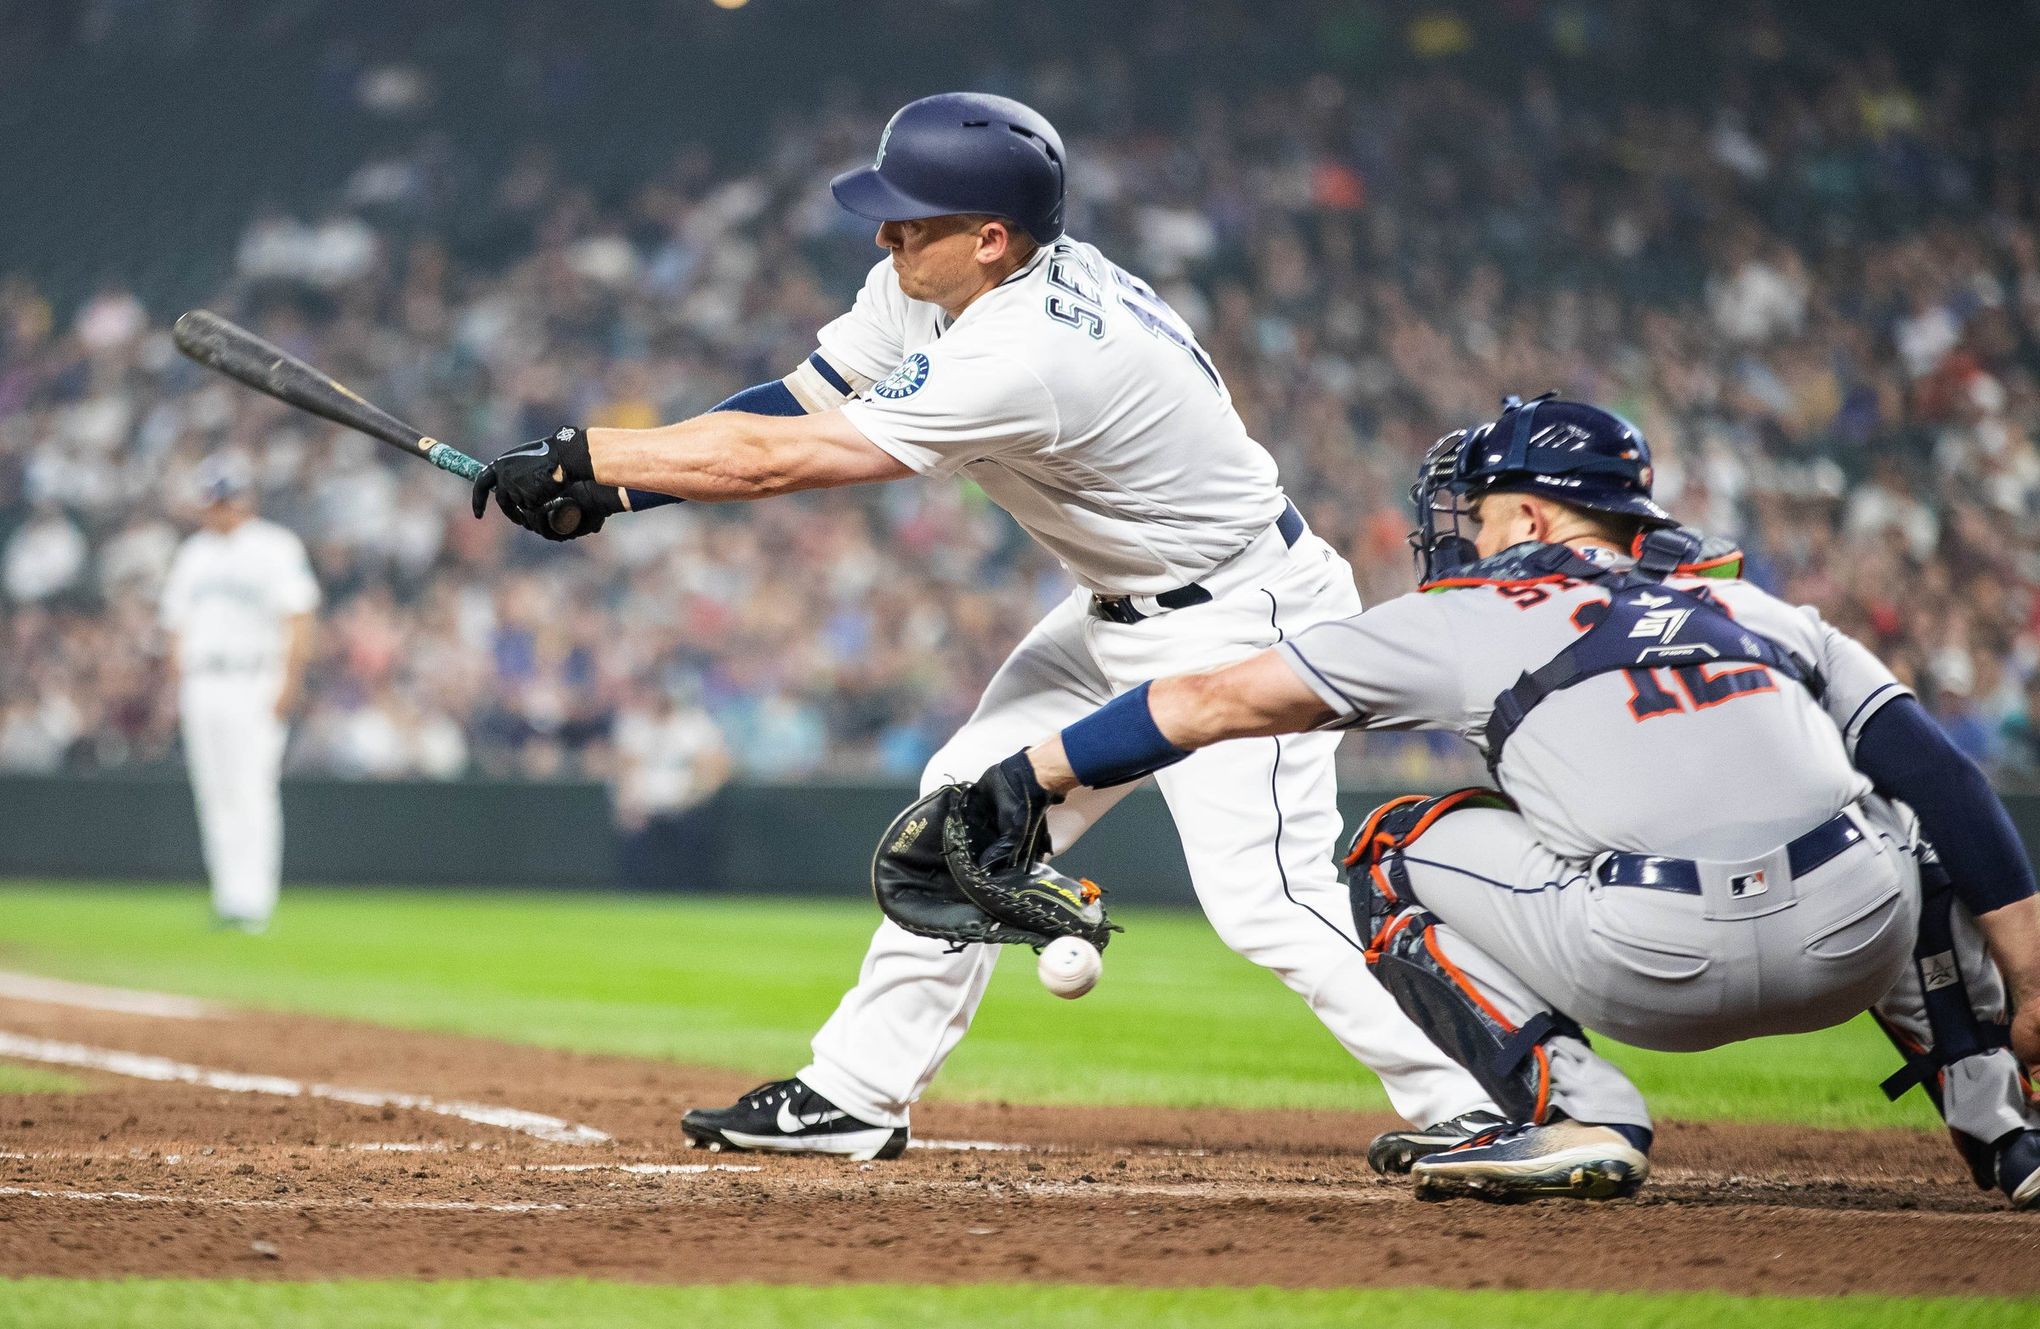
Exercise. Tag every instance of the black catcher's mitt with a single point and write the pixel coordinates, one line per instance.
(929, 882)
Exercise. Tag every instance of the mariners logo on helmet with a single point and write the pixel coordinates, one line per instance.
(904, 381)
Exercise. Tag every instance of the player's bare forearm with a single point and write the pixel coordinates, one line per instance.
(2013, 935)
(297, 654)
(1257, 697)
(731, 456)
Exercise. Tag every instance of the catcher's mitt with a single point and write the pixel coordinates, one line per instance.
(928, 881)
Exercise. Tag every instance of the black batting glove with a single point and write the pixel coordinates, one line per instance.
(527, 478)
(1007, 812)
(580, 511)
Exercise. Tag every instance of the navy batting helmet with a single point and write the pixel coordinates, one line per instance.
(1565, 450)
(961, 152)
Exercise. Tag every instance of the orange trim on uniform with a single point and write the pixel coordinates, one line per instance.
(1387, 935)
(1457, 583)
(1382, 883)
(1537, 1114)
(1465, 984)
(1447, 803)
(1364, 840)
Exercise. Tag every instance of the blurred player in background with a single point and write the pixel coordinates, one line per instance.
(237, 606)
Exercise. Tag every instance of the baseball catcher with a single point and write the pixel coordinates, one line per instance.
(1716, 817)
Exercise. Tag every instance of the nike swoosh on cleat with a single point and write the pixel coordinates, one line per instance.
(793, 1123)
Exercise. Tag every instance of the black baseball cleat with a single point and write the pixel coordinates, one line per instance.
(1559, 1160)
(787, 1117)
(2018, 1169)
(1393, 1154)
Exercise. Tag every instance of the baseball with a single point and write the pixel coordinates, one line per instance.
(1069, 967)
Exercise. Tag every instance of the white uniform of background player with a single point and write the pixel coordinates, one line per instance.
(237, 604)
(1080, 404)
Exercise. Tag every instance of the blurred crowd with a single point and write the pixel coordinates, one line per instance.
(1816, 288)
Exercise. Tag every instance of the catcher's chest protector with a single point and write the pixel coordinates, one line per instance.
(1645, 625)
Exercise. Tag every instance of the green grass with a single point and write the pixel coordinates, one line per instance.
(561, 1305)
(1178, 1019)
(18, 1079)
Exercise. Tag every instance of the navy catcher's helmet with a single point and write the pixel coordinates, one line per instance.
(960, 152)
(1564, 450)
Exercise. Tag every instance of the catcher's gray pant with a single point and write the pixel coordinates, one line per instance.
(1257, 817)
(1530, 934)
(1947, 1014)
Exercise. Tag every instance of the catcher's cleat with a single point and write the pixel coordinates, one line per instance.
(787, 1117)
(1562, 1160)
(1393, 1153)
(2018, 1170)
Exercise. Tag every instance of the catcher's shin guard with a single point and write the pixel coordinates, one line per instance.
(1508, 1060)
(1969, 1086)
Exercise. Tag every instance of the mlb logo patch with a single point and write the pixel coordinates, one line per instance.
(1939, 971)
(1750, 883)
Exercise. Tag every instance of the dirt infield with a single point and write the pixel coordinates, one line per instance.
(258, 1180)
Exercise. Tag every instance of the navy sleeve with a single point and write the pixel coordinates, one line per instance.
(772, 398)
(1907, 757)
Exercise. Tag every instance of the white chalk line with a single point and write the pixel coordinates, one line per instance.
(1007, 1147)
(142, 1066)
(218, 1202)
(645, 1169)
(122, 1001)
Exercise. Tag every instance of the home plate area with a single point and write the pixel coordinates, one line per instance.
(216, 1143)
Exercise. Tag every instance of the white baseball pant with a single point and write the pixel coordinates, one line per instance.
(1258, 820)
(233, 748)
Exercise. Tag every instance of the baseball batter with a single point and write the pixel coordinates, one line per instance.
(1698, 835)
(988, 343)
(237, 605)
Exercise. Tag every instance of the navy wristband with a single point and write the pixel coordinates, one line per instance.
(773, 398)
(1119, 742)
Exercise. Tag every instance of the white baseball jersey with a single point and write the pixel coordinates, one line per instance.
(1079, 402)
(227, 599)
(1723, 762)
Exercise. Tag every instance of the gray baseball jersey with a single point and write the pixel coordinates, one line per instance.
(1718, 763)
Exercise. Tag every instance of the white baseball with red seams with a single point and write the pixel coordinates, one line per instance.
(1069, 967)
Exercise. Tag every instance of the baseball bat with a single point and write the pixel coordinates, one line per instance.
(221, 344)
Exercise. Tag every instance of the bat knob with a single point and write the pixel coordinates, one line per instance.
(563, 515)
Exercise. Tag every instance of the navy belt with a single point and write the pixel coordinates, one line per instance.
(1803, 855)
(1119, 608)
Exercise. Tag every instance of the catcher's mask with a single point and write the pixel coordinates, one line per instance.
(1566, 450)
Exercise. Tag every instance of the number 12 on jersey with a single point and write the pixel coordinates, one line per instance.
(1704, 687)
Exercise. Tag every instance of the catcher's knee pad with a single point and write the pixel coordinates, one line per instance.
(1509, 1061)
(1376, 877)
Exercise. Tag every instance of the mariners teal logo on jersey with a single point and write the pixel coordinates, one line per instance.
(904, 381)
